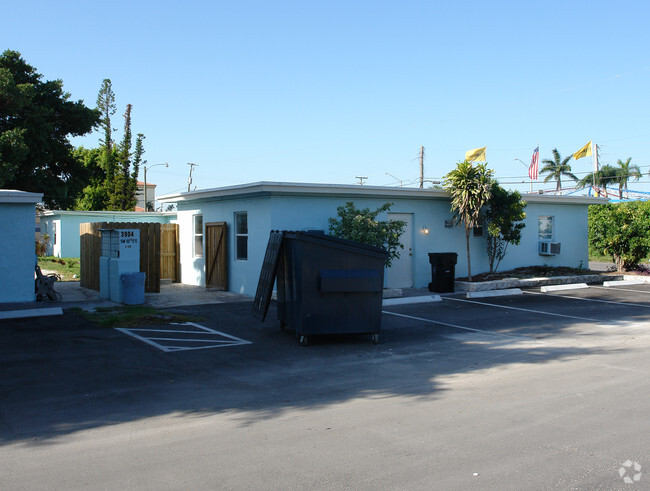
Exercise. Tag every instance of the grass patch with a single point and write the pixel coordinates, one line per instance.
(68, 268)
(134, 315)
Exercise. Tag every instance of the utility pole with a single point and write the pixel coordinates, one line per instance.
(189, 180)
(361, 178)
(421, 167)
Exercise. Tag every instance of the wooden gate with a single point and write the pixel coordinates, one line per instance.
(216, 255)
(149, 252)
(169, 256)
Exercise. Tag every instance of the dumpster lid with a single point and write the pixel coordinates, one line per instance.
(267, 276)
(336, 242)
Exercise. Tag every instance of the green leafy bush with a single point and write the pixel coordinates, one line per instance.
(620, 231)
(363, 226)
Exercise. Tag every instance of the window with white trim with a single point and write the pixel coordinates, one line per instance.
(241, 235)
(198, 235)
(546, 227)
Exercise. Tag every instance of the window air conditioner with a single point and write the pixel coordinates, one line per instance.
(548, 248)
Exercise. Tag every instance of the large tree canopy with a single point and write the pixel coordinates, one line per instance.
(36, 120)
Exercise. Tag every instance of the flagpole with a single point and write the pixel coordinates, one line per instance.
(594, 152)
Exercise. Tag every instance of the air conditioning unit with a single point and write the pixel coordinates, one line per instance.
(548, 248)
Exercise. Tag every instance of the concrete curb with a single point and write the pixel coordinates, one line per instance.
(556, 288)
(411, 300)
(464, 286)
(25, 313)
(494, 293)
(625, 282)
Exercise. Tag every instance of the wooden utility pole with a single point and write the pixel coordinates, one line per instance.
(421, 167)
(189, 180)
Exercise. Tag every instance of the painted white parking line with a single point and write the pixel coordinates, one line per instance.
(628, 304)
(523, 310)
(205, 337)
(617, 289)
(456, 326)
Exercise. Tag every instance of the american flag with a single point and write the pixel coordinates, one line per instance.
(534, 163)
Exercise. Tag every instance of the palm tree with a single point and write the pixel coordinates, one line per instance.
(625, 172)
(557, 168)
(469, 187)
(604, 177)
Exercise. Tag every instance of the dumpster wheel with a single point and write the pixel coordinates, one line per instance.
(302, 339)
(375, 338)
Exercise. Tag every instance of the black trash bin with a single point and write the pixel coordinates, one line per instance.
(443, 271)
(327, 285)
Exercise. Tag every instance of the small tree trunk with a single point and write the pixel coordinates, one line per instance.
(469, 265)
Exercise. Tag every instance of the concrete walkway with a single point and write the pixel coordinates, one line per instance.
(171, 295)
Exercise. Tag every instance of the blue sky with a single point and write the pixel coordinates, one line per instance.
(324, 91)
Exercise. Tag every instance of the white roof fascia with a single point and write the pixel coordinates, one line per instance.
(285, 188)
(16, 196)
(563, 200)
(94, 213)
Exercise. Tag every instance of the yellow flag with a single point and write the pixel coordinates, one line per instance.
(583, 152)
(476, 155)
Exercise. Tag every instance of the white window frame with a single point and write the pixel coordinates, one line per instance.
(239, 235)
(196, 235)
(541, 221)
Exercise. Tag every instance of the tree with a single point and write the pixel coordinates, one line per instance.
(125, 179)
(470, 188)
(557, 168)
(363, 226)
(37, 118)
(604, 177)
(625, 172)
(620, 230)
(503, 220)
(113, 168)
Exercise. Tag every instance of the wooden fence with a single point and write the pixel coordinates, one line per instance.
(150, 252)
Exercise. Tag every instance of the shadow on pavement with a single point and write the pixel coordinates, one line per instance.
(62, 375)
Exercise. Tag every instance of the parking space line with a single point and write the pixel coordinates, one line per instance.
(218, 340)
(617, 289)
(455, 326)
(628, 304)
(523, 310)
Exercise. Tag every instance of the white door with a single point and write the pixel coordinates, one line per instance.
(400, 274)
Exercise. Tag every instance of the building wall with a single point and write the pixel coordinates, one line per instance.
(312, 213)
(68, 242)
(242, 274)
(17, 252)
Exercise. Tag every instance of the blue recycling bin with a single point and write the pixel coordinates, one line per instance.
(133, 288)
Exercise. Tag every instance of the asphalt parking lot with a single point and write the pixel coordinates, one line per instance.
(539, 390)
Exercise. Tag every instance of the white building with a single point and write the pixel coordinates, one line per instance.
(242, 217)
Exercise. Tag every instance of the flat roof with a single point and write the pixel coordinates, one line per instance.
(16, 196)
(130, 214)
(268, 188)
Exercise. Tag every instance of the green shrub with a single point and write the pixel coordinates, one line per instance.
(363, 226)
(620, 231)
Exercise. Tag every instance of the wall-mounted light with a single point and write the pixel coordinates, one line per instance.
(425, 230)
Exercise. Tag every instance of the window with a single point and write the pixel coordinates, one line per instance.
(54, 233)
(198, 235)
(241, 235)
(478, 229)
(545, 227)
